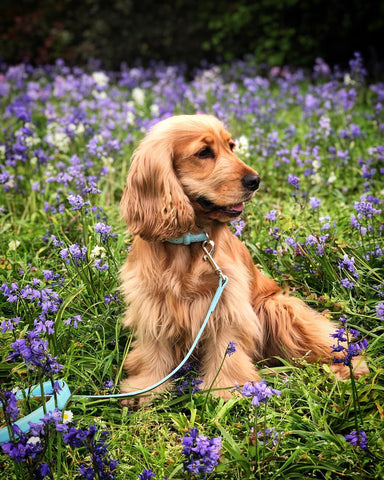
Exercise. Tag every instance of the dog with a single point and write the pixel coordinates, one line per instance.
(185, 178)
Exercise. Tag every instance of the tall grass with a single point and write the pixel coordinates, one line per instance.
(316, 224)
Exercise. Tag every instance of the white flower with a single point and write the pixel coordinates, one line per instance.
(138, 95)
(316, 165)
(155, 110)
(13, 244)
(100, 79)
(67, 416)
(2, 151)
(99, 95)
(325, 124)
(33, 440)
(332, 177)
(98, 252)
(348, 80)
(242, 145)
(130, 118)
(60, 140)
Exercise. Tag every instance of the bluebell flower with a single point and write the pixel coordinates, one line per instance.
(42, 471)
(187, 378)
(74, 321)
(380, 310)
(271, 215)
(346, 283)
(108, 384)
(9, 324)
(349, 350)
(239, 226)
(231, 348)
(357, 439)
(74, 252)
(99, 266)
(24, 448)
(77, 202)
(102, 465)
(201, 453)
(269, 435)
(294, 181)
(259, 391)
(104, 231)
(9, 402)
(33, 350)
(146, 474)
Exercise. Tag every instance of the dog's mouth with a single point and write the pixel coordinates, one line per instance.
(228, 210)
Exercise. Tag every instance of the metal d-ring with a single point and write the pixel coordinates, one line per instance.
(209, 256)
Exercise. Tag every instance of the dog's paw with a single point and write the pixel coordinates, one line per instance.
(134, 403)
(342, 372)
(136, 384)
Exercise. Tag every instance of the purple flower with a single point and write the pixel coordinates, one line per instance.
(75, 320)
(42, 470)
(351, 348)
(294, 181)
(357, 439)
(231, 348)
(9, 402)
(9, 324)
(314, 202)
(108, 384)
(380, 310)
(259, 391)
(104, 231)
(268, 435)
(347, 263)
(22, 449)
(365, 208)
(74, 252)
(77, 202)
(239, 226)
(100, 267)
(146, 474)
(33, 351)
(340, 335)
(311, 240)
(201, 453)
(102, 465)
(271, 215)
(187, 378)
(346, 283)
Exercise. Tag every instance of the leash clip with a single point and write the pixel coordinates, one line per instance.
(209, 256)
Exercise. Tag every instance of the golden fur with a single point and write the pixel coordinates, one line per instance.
(184, 177)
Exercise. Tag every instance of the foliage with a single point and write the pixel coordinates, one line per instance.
(316, 224)
(277, 32)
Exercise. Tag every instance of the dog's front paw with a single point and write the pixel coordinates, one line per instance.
(134, 403)
(134, 385)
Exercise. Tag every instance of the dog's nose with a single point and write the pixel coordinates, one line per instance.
(251, 181)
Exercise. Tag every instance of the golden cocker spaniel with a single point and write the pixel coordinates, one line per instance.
(186, 178)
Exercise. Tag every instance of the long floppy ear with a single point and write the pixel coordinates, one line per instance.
(154, 204)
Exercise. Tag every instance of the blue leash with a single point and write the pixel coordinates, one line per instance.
(64, 394)
(223, 280)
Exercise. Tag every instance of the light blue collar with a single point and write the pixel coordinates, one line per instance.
(189, 238)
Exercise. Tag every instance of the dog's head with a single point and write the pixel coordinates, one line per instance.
(185, 174)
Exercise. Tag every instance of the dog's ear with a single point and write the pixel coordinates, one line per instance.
(154, 204)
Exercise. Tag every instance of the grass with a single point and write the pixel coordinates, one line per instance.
(68, 132)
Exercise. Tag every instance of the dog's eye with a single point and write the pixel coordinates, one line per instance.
(207, 152)
(232, 145)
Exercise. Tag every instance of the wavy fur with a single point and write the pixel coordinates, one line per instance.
(184, 177)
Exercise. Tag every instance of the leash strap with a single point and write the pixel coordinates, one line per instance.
(223, 280)
(64, 394)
